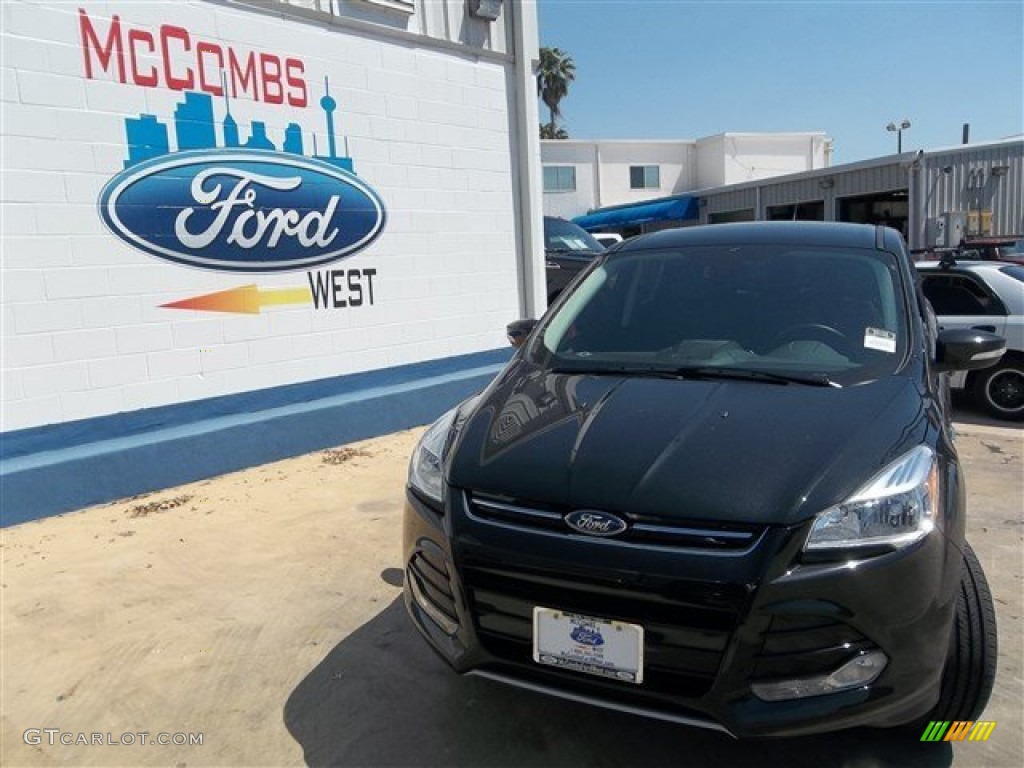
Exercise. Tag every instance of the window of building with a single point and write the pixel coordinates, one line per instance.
(814, 211)
(559, 178)
(644, 177)
(727, 217)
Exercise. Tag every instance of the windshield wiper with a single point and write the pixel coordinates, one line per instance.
(573, 250)
(723, 372)
(611, 370)
(700, 372)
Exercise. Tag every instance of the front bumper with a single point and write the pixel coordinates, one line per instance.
(714, 621)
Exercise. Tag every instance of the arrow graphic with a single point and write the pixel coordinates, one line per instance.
(246, 300)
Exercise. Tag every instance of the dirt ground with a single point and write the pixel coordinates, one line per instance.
(260, 611)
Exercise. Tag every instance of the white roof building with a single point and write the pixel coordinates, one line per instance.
(581, 175)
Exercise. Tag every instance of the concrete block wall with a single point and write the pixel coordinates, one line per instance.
(84, 334)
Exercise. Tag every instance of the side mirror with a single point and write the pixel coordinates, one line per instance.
(965, 349)
(518, 331)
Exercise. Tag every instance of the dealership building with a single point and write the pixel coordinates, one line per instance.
(581, 176)
(235, 231)
(936, 198)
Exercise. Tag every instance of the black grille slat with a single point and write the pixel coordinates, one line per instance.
(439, 581)
(492, 602)
(807, 664)
(510, 627)
(437, 578)
(803, 640)
(643, 530)
(515, 618)
(685, 637)
(435, 560)
(603, 600)
(658, 677)
(434, 586)
(803, 645)
(683, 641)
(704, 663)
(438, 598)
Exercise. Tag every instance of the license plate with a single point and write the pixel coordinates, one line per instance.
(601, 647)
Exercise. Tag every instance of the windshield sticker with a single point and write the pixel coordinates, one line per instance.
(881, 339)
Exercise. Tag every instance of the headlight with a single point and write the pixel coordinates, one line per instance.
(897, 507)
(425, 465)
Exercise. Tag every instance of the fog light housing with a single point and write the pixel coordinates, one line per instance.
(858, 671)
(436, 615)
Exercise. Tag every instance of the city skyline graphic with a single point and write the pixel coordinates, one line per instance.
(195, 129)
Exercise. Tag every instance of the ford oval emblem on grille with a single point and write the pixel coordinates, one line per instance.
(587, 636)
(595, 523)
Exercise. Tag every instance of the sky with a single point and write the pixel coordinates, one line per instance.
(683, 69)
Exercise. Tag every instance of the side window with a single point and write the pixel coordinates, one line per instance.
(559, 178)
(952, 294)
(644, 177)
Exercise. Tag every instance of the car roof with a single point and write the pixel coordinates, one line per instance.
(837, 234)
(964, 264)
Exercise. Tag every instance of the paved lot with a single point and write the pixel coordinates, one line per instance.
(262, 610)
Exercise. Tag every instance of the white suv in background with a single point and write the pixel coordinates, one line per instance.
(988, 296)
(607, 239)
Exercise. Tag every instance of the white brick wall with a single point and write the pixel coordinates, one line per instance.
(84, 345)
(27, 350)
(83, 332)
(154, 337)
(49, 90)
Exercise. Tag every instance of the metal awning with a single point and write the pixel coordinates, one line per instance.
(678, 208)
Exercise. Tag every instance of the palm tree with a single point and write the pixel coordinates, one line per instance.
(555, 72)
(551, 131)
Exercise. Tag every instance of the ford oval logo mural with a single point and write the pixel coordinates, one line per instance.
(595, 523)
(242, 210)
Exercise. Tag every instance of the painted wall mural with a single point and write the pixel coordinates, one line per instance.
(204, 199)
(218, 203)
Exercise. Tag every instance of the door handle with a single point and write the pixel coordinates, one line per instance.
(552, 265)
(989, 328)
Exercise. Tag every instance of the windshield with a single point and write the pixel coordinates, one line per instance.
(796, 311)
(1017, 273)
(1012, 250)
(562, 235)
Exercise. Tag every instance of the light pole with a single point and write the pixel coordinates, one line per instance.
(899, 127)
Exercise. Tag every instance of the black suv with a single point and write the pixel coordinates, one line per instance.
(568, 250)
(716, 485)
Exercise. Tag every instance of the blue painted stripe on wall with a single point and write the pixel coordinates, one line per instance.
(45, 438)
(62, 478)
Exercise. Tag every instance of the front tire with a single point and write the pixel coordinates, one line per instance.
(1000, 390)
(970, 669)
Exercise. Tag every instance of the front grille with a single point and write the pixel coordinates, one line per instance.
(687, 625)
(646, 530)
(804, 646)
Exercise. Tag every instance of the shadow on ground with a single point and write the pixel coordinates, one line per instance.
(381, 698)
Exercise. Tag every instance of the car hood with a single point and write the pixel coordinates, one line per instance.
(724, 450)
